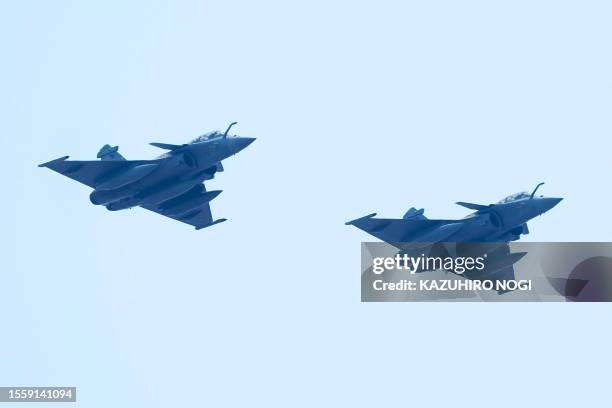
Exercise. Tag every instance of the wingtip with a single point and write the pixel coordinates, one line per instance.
(220, 220)
(53, 161)
(360, 218)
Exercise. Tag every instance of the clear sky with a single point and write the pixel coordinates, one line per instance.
(357, 107)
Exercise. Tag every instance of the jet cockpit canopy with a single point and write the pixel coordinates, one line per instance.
(207, 136)
(514, 197)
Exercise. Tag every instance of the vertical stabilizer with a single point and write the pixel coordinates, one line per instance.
(109, 153)
(414, 214)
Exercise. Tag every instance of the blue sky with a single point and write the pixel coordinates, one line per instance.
(357, 107)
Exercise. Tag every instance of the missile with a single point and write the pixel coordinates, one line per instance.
(126, 177)
(181, 207)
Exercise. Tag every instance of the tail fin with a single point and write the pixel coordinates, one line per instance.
(414, 214)
(110, 153)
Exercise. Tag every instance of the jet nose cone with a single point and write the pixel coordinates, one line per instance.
(546, 203)
(240, 143)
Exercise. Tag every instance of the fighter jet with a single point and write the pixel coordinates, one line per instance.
(487, 230)
(171, 185)
(503, 221)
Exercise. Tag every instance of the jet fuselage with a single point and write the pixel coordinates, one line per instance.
(501, 222)
(170, 175)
